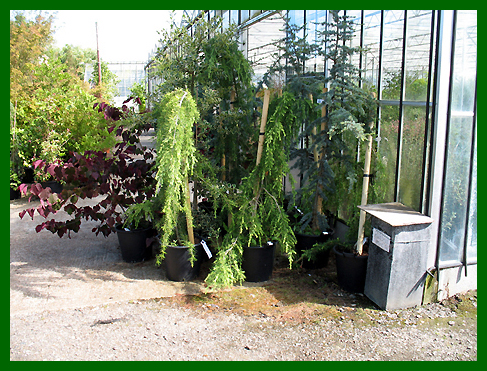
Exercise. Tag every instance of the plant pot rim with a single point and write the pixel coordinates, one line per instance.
(119, 228)
(349, 254)
(197, 243)
(183, 247)
(265, 246)
(331, 232)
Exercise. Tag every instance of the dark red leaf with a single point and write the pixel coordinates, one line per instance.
(45, 193)
(38, 163)
(51, 168)
(61, 231)
(23, 189)
(41, 212)
(70, 209)
(36, 189)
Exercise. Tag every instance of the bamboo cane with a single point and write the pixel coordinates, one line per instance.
(317, 156)
(223, 160)
(365, 190)
(189, 218)
(263, 122)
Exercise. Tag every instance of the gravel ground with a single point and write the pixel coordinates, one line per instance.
(165, 329)
(77, 300)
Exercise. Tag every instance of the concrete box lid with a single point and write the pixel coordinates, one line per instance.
(396, 214)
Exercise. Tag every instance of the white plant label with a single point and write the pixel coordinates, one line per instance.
(207, 250)
(380, 239)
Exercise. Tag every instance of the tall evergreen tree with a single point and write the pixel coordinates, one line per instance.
(345, 109)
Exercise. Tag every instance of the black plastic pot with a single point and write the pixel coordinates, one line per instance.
(177, 265)
(257, 262)
(306, 242)
(28, 175)
(133, 244)
(14, 194)
(351, 270)
(56, 187)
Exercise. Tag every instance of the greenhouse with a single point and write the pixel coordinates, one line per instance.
(267, 185)
(423, 67)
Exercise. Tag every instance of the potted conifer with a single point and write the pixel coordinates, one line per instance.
(259, 222)
(176, 114)
(348, 120)
(302, 114)
(329, 136)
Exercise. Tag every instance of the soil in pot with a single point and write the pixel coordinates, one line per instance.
(133, 244)
(306, 242)
(177, 265)
(258, 262)
(351, 270)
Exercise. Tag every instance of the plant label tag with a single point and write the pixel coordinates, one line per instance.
(207, 250)
(381, 240)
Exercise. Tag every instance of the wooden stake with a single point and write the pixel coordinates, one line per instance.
(223, 161)
(189, 218)
(263, 122)
(317, 155)
(98, 55)
(232, 99)
(365, 190)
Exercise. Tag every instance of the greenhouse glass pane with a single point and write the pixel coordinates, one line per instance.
(314, 19)
(263, 38)
(296, 17)
(454, 221)
(455, 196)
(226, 18)
(410, 180)
(234, 16)
(392, 54)
(465, 62)
(370, 63)
(356, 17)
(472, 218)
(244, 14)
(417, 54)
(389, 125)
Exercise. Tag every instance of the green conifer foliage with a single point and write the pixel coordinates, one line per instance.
(260, 216)
(333, 137)
(176, 114)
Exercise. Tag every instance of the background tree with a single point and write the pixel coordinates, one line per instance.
(74, 58)
(51, 107)
(108, 88)
(209, 64)
(29, 42)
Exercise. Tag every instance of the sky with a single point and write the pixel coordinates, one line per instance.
(123, 35)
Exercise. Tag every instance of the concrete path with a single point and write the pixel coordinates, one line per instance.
(48, 272)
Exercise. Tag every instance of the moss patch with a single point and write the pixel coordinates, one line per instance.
(299, 296)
